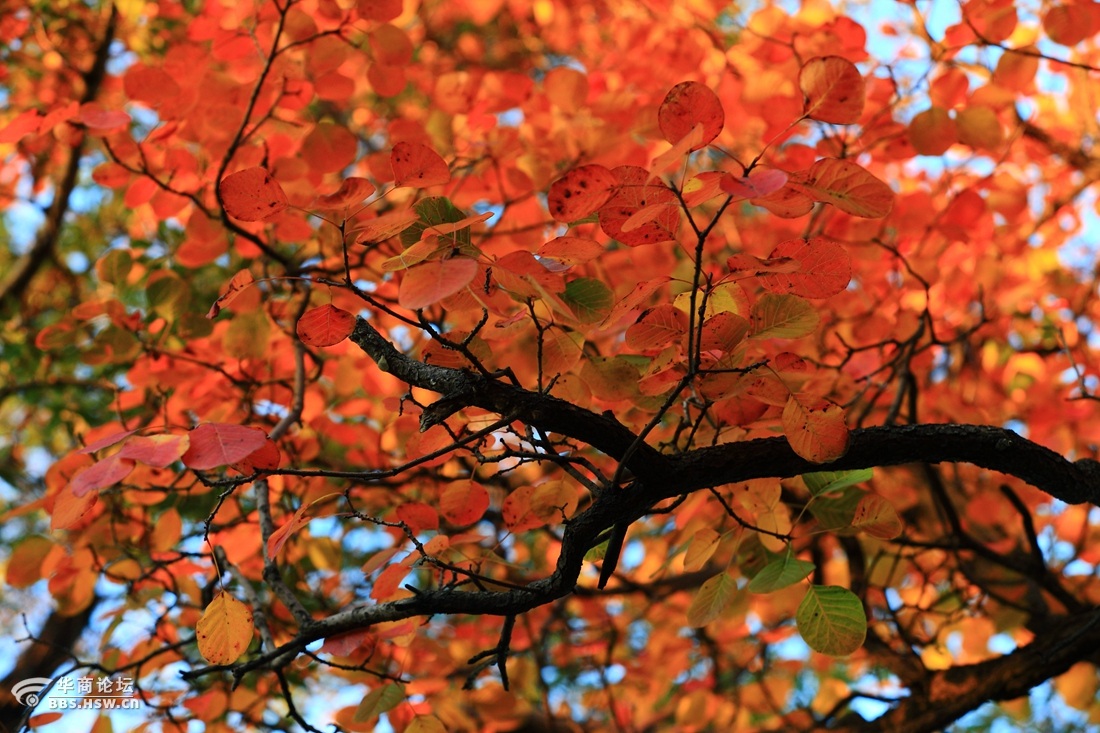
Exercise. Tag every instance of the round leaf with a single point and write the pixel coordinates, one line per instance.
(252, 194)
(833, 88)
(417, 165)
(831, 620)
(225, 630)
(580, 192)
(433, 281)
(220, 444)
(689, 104)
(325, 325)
(824, 268)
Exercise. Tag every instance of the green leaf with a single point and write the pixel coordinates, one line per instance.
(836, 512)
(711, 599)
(823, 482)
(831, 620)
(779, 574)
(589, 299)
(378, 701)
(782, 316)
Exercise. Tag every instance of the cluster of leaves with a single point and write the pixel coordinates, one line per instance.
(555, 339)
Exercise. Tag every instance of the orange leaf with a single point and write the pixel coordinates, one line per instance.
(279, 537)
(817, 434)
(265, 458)
(386, 226)
(933, 131)
(252, 194)
(657, 328)
(833, 88)
(325, 325)
(388, 583)
(225, 630)
(351, 192)
(464, 502)
(635, 194)
(580, 192)
(433, 281)
(418, 516)
(106, 441)
(69, 509)
(415, 164)
(220, 444)
(688, 104)
(517, 512)
(569, 251)
(849, 187)
(824, 268)
(877, 517)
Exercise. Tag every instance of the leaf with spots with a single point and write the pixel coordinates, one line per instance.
(225, 630)
(641, 211)
(824, 268)
(819, 433)
(417, 165)
(847, 186)
(580, 192)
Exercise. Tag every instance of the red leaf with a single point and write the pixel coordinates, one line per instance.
(580, 192)
(418, 516)
(155, 450)
(220, 444)
(687, 104)
(824, 268)
(325, 325)
(633, 194)
(759, 182)
(101, 474)
(569, 251)
(415, 164)
(657, 328)
(433, 281)
(106, 441)
(265, 458)
(100, 120)
(252, 194)
(834, 90)
(351, 192)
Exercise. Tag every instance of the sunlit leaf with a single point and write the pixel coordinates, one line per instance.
(782, 316)
(417, 165)
(433, 281)
(225, 630)
(849, 187)
(833, 88)
(689, 104)
(780, 573)
(824, 268)
(580, 192)
(220, 444)
(712, 598)
(819, 434)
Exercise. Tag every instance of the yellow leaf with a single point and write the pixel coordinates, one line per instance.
(225, 630)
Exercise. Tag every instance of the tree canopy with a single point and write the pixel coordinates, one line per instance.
(624, 365)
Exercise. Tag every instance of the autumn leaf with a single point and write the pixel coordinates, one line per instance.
(220, 444)
(824, 268)
(689, 104)
(252, 195)
(225, 630)
(818, 434)
(580, 192)
(433, 281)
(833, 88)
(849, 187)
(156, 450)
(352, 191)
(877, 517)
(418, 516)
(236, 285)
(101, 474)
(782, 316)
(325, 325)
(758, 183)
(417, 165)
(378, 701)
(641, 211)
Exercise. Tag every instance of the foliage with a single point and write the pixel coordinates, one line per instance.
(609, 365)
